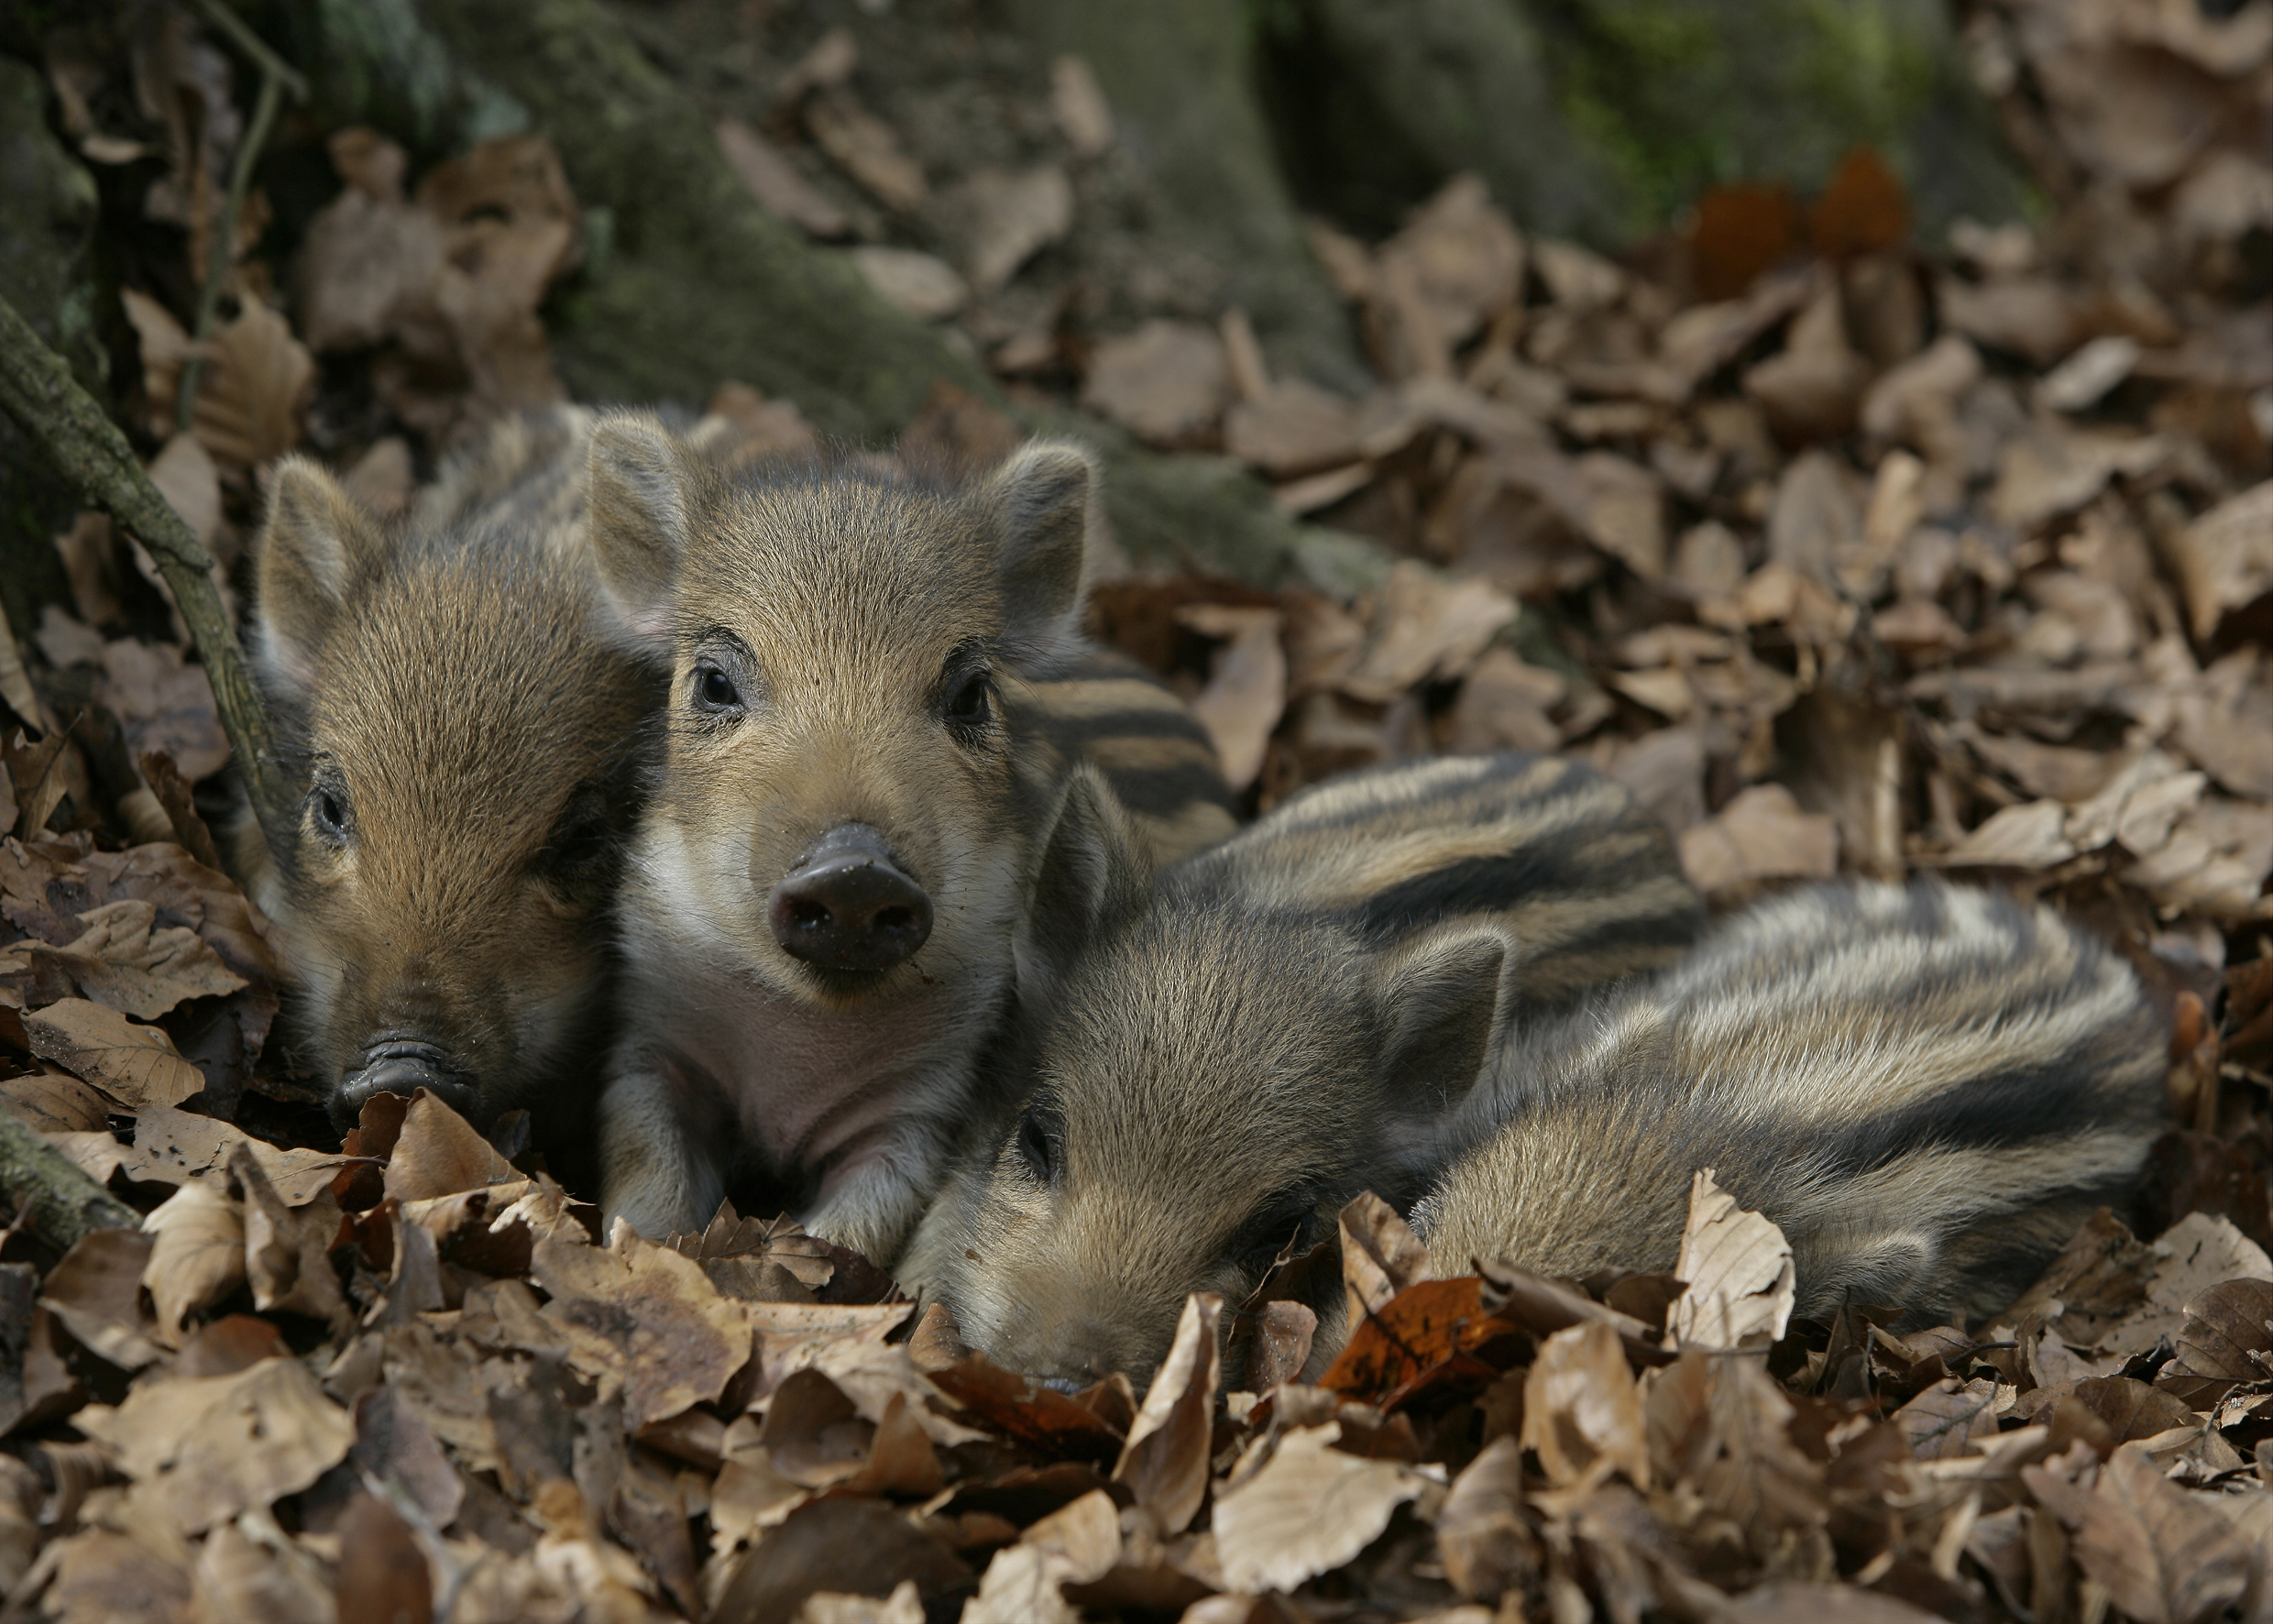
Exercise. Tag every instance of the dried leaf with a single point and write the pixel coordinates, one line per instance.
(1582, 1412)
(921, 284)
(1165, 1461)
(1004, 219)
(2227, 1341)
(867, 148)
(2164, 1558)
(136, 1066)
(1024, 1583)
(125, 963)
(164, 703)
(212, 1448)
(253, 403)
(774, 181)
(1310, 1509)
(1761, 834)
(1246, 688)
(2224, 558)
(438, 1153)
(1738, 1269)
(1165, 382)
(645, 1316)
(198, 1257)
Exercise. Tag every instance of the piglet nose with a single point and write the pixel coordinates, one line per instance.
(849, 906)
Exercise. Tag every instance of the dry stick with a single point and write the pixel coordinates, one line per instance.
(63, 1204)
(221, 249)
(84, 446)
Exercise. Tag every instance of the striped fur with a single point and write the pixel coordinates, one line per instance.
(845, 606)
(1927, 1087)
(463, 738)
(1277, 1024)
(1587, 880)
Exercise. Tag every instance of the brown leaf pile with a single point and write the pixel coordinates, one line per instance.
(409, 1380)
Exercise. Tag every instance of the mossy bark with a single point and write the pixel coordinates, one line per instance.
(690, 282)
(1601, 118)
(46, 226)
(1181, 78)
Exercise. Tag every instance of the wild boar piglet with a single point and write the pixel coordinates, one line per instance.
(464, 730)
(878, 684)
(1230, 1054)
(1928, 1087)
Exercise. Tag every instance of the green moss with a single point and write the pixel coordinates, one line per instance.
(1684, 94)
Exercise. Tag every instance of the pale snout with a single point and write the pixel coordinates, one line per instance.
(849, 906)
(400, 1064)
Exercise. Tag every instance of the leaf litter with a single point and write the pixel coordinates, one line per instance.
(1844, 553)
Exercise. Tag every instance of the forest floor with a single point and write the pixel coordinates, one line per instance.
(1845, 552)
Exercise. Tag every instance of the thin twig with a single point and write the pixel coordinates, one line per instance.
(83, 446)
(221, 248)
(254, 46)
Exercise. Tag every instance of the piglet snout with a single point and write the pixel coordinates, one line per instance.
(849, 906)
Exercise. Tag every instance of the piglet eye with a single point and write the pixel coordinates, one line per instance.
(971, 698)
(330, 813)
(1033, 1148)
(714, 690)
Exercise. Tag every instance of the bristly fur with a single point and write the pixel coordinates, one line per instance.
(843, 604)
(1587, 880)
(1927, 1087)
(1227, 1058)
(466, 742)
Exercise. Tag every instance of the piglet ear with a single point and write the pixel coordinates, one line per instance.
(1440, 995)
(1043, 501)
(317, 548)
(645, 488)
(1094, 870)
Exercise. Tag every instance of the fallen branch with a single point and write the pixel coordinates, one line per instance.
(84, 446)
(57, 1201)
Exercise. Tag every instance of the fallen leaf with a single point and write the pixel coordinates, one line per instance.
(1024, 1583)
(1165, 1460)
(1246, 688)
(1308, 1509)
(1760, 834)
(1003, 219)
(275, 1582)
(2224, 558)
(1297, 428)
(383, 1577)
(1165, 382)
(164, 703)
(774, 181)
(2227, 1341)
(1738, 1267)
(1582, 1412)
(643, 1316)
(1425, 627)
(253, 404)
(1486, 1545)
(136, 1066)
(210, 1448)
(438, 1153)
(921, 284)
(198, 1255)
(1381, 1256)
(2163, 1557)
(125, 963)
(867, 148)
